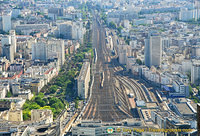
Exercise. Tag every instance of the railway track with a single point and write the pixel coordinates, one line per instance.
(102, 104)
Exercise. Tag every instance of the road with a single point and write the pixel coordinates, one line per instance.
(102, 105)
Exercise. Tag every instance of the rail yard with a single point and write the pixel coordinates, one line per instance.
(110, 100)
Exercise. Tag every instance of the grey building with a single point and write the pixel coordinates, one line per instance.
(195, 73)
(8, 52)
(153, 51)
(65, 30)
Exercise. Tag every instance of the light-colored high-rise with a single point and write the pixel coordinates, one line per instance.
(6, 22)
(195, 73)
(83, 80)
(7, 48)
(197, 7)
(48, 49)
(13, 39)
(153, 51)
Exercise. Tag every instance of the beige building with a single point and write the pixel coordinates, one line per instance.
(26, 94)
(12, 115)
(42, 116)
(83, 80)
(15, 115)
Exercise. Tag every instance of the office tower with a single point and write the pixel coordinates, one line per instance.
(8, 52)
(6, 21)
(13, 39)
(153, 51)
(65, 30)
(197, 7)
(5, 41)
(195, 73)
(55, 49)
(39, 51)
(48, 49)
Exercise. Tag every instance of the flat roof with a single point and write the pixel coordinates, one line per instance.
(151, 105)
(83, 70)
(183, 108)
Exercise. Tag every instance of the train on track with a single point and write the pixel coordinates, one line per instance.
(158, 96)
(95, 55)
(102, 80)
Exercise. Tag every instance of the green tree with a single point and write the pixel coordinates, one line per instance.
(34, 105)
(112, 25)
(9, 94)
(53, 100)
(53, 88)
(76, 102)
(46, 101)
(119, 29)
(26, 115)
(138, 61)
(190, 90)
(39, 101)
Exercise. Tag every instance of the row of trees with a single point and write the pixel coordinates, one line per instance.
(62, 87)
(42, 102)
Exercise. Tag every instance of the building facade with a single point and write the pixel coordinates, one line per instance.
(6, 22)
(49, 49)
(83, 80)
(153, 51)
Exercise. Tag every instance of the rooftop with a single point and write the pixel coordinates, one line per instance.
(83, 71)
(183, 108)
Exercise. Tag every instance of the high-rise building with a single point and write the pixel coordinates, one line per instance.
(39, 51)
(83, 80)
(6, 39)
(13, 39)
(48, 49)
(153, 51)
(6, 21)
(195, 73)
(8, 52)
(197, 7)
(65, 30)
(71, 30)
(7, 48)
(186, 15)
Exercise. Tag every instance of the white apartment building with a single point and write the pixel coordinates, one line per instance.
(195, 72)
(49, 49)
(83, 80)
(6, 22)
(13, 39)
